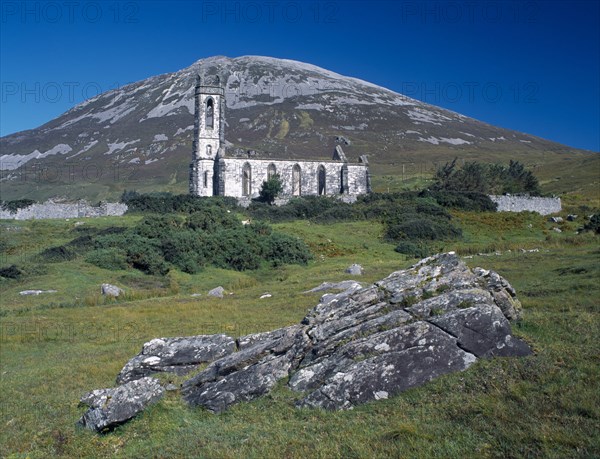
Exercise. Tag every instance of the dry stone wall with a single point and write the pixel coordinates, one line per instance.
(51, 209)
(543, 206)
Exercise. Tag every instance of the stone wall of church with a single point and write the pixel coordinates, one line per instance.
(308, 176)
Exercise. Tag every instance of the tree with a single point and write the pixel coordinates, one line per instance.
(486, 178)
(270, 189)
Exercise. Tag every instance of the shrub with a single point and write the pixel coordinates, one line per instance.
(141, 252)
(13, 206)
(212, 219)
(282, 249)
(342, 212)
(593, 224)
(82, 243)
(189, 263)
(156, 227)
(186, 249)
(11, 272)
(471, 201)
(270, 189)
(261, 228)
(306, 207)
(413, 250)
(164, 203)
(422, 229)
(58, 254)
(112, 259)
(147, 259)
(238, 249)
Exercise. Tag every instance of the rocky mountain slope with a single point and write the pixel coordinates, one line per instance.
(139, 136)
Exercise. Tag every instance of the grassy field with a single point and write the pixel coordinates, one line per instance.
(57, 346)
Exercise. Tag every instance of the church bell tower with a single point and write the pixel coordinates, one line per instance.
(209, 137)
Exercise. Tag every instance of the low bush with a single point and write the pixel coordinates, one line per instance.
(13, 206)
(211, 220)
(593, 224)
(214, 236)
(112, 259)
(165, 203)
(422, 229)
(58, 254)
(11, 272)
(413, 250)
(472, 201)
(282, 249)
(186, 249)
(238, 249)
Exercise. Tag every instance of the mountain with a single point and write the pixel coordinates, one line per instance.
(140, 136)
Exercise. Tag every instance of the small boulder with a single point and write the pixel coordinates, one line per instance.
(109, 408)
(217, 292)
(111, 290)
(355, 270)
(557, 230)
(556, 219)
(571, 217)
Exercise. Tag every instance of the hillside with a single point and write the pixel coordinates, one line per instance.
(139, 136)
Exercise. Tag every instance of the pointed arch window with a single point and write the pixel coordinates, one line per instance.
(271, 171)
(210, 113)
(321, 177)
(296, 180)
(246, 180)
(208, 151)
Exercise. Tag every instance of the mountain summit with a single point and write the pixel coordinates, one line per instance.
(140, 136)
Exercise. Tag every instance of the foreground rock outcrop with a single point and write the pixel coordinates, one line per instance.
(358, 344)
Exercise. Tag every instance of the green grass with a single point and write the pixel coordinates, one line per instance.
(56, 347)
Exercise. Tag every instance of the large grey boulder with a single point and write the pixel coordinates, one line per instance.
(109, 408)
(355, 270)
(176, 355)
(359, 344)
(110, 290)
(217, 292)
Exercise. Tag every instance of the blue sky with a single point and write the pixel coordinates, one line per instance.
(533, 66)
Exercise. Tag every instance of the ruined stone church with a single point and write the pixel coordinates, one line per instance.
(214, 173)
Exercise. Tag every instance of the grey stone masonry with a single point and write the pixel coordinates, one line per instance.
(215, 173)
(51, 209)
(543, 206)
